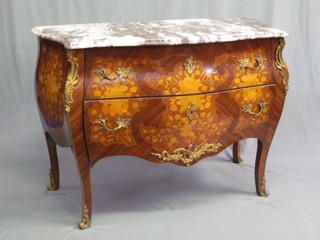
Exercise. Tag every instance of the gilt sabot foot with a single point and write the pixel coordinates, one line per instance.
(85, 220)
(52, 185)
(262, 190)
(237, 158)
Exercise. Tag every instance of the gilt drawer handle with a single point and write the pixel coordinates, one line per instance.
(121, 72)
(247, 108)
(121, 123)
(245, 63)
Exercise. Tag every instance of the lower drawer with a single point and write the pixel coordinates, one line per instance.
(180, 129)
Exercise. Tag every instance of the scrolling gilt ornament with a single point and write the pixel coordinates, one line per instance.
(120, 73)
(282, 66)
(72, 80)
(121, 123)
(189, 155)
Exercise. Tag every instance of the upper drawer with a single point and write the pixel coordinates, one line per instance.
(121, 72)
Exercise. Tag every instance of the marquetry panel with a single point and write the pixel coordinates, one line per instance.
(50, 83)
(177, 70)
(144, 125)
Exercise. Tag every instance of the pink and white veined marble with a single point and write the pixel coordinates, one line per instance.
(160, 32)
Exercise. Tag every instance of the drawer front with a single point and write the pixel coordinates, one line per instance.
(177, 70)
(176, 129)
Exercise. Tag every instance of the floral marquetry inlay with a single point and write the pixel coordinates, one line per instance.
(113, 78)
(256, 100)
(110, 121)
(245, 76)
(50, 85)
(181, 82)
(176, 129)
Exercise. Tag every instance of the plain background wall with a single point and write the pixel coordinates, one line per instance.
(293, 167)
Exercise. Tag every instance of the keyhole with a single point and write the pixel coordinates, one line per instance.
(192, 110)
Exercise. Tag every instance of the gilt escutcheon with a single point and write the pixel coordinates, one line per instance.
(190, 65)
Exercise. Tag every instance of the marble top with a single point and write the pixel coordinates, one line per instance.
(159, 32)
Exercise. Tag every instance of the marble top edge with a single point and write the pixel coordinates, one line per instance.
(158, 32)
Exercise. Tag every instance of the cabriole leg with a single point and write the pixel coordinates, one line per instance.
(54, 170)
(262, 152)
(86, 198)
(236, 153)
